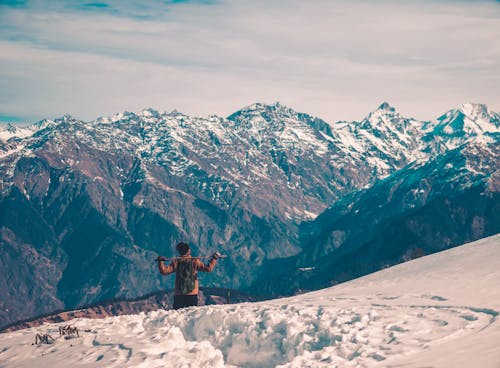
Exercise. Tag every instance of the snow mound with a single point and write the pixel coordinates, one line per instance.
(439, 310)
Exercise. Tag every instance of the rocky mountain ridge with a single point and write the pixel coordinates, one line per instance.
(233, 154)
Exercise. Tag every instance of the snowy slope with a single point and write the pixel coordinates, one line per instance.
(440, 311)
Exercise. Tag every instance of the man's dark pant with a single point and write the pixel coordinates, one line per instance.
(183, 301)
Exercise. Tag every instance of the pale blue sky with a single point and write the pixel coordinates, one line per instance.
(334, 59)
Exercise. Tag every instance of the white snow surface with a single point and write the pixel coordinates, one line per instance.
(436, 311)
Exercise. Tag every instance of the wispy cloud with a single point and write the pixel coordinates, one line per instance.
(336, 59)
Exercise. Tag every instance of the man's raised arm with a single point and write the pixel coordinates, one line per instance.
(165, 270)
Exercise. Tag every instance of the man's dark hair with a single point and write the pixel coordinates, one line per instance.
(182, 248)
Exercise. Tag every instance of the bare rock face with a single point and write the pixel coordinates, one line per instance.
(85, 207)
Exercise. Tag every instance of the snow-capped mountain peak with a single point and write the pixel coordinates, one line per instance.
(265, 112)
(42, 124)
(385, 114)
(66, 118)
(476, 110)
(470, 119)
(149, 112)
(261, 106)
(386, 107)
(25, 131)
(384, 138)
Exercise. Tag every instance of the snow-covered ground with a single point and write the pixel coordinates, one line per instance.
(437, 311)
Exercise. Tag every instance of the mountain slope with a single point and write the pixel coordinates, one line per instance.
(419, 210)
(440, 311)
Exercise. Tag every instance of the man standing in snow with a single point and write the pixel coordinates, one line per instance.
(186, 275)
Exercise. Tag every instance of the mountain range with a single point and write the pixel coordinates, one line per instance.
(297, 203)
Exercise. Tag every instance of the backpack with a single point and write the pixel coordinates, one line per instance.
(186, 276)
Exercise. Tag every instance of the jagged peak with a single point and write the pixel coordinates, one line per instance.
(474, 109)
(149, 112)
(119, 116)
(261, 107)
(384, 114)
(385, 106)
(66, 118)
(473, 118)
(18, 130)
(470, 109)
(142, 115)
(42, 124)
(25, 129)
